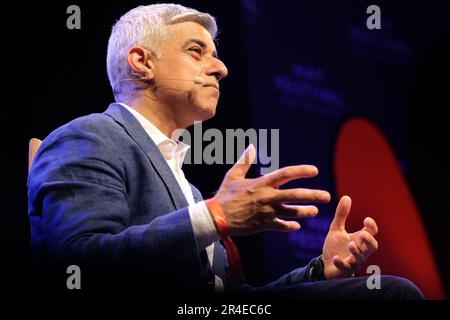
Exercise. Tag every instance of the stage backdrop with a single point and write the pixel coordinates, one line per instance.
(313, 66)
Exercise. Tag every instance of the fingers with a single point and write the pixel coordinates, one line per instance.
(286, 174)
(299, 195)
(241, 167)
(366, 243)
(360, 249)
(370, 226)
(343, 265)
(342, 211)
(287, 211)
(277, 224)
(359, 257)
(348, 265)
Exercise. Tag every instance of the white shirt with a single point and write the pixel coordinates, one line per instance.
(174, 152)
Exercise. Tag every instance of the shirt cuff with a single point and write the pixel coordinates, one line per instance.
(205, 231)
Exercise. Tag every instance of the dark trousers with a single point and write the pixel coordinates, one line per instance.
(391, 288)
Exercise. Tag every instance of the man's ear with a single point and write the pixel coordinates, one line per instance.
(140, 62)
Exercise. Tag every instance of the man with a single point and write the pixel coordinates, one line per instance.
(107, 191)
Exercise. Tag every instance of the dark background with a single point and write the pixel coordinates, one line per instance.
(398, 80)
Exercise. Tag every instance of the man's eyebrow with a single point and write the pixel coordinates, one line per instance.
(202, 44)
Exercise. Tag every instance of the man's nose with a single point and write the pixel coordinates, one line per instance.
(217, 69)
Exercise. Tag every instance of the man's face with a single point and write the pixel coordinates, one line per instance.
(188, 54)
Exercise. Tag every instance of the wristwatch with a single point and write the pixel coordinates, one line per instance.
(316, 271)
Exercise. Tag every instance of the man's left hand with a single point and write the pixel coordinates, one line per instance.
(344, 252)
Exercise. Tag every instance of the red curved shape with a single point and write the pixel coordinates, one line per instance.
(366, 169)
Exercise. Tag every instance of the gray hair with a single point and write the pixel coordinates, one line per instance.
(146, 26)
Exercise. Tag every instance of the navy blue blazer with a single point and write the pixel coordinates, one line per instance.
(101, 193)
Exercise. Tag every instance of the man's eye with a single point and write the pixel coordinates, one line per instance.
(196, 49)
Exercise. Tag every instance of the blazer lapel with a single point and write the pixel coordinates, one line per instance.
(140, 136)
(196, 193)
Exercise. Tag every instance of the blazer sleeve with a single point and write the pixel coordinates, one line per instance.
(294, 277)
(78, 194)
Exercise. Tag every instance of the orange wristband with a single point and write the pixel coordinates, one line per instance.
(216, 211)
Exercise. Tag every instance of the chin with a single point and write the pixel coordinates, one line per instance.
(206, 112)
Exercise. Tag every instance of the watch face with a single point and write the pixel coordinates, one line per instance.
(317, 270)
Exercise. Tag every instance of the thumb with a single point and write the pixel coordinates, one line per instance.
(241, 167)
(342, 211)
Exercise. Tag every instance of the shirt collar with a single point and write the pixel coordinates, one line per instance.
(171, 149)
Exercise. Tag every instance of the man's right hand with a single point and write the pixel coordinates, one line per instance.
(254, 205)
